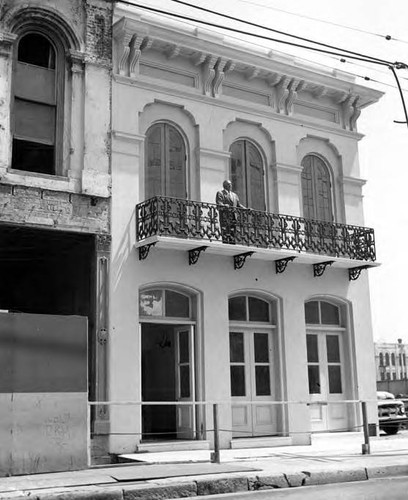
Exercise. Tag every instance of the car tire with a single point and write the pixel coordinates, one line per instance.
(391, 429)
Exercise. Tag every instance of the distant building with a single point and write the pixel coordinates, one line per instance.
(391, 360)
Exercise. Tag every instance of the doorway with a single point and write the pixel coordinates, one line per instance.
(325, 353)
(252, 383)
(168, 377)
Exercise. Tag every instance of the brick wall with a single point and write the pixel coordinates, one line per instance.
(99, 31)
(53, 209)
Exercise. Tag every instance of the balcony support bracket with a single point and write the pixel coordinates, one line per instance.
(354, 272)
(239, 260)
(320, 268)
(281, 264)
(144, 250)
(194, 255)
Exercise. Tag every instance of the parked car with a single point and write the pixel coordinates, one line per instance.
(391, 413)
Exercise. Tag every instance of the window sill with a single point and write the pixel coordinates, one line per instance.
(44, 181)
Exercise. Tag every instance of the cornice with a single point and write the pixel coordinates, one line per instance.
(234, 104)
(287, 76)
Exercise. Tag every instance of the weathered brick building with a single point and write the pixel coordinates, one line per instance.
(55, 121)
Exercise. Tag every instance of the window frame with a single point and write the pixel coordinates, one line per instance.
(246, 197)
(318, 212)
(60, 77)
(165, 145)
(163, 317)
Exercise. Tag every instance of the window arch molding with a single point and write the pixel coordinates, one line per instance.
(26, 18)
(184, 122)
(258, 135)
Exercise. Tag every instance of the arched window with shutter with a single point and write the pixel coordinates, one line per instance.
(316, 189)
(38, 103)
(165, 166)
(247, 174)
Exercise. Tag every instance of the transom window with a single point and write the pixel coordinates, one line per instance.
(319, 312)
(36, 109)
(247, 174)
(165, 171)
(316, 189)
(164, 303)
(248, 308)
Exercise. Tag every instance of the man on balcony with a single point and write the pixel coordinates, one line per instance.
(228, 202)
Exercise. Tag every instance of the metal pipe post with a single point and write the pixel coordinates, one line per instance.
(215, 457)
(365, 449)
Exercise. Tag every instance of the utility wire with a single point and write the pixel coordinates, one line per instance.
(256, 35)
(351, 28)
(342, 60)
(296, 37)
(350, 55)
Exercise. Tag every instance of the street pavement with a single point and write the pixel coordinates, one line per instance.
(332, 458)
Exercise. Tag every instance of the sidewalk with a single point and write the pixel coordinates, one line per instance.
(331, 458)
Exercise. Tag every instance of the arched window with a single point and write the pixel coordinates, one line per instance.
(316, 189)
(37, 105)
(393, 359)
(247, 174)
(387, 359)
(319, 312)
(165, 171)
(381, 359)
(164, 303)
(248, 308)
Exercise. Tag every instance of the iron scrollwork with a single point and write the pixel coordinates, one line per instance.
(239, 260)
(320, 268)
(281, 264)
(187, 219)
(194, 255)
(144, 250)
(354, 272)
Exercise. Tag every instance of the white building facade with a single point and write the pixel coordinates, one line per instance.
(273, 322)
(391, 360)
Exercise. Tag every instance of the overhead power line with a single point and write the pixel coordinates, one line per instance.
(346, 53)
(323, 21)
(279, 32)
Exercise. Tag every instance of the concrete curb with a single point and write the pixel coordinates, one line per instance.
(209, 485)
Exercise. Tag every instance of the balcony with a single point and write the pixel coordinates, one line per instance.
(192, 225)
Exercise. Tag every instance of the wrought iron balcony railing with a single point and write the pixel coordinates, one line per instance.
(172, 217)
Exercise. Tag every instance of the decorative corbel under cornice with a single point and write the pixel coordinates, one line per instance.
(199, 57)
(282, 93)
(219, 76)
(355, 115)
(295, 86)
(349, 110)
(209, 74)
(137, 44)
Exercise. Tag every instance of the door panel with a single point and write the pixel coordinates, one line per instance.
(325, 357)
(252, 383)
(185, 383)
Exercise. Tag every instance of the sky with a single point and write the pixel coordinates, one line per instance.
(361, 26)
